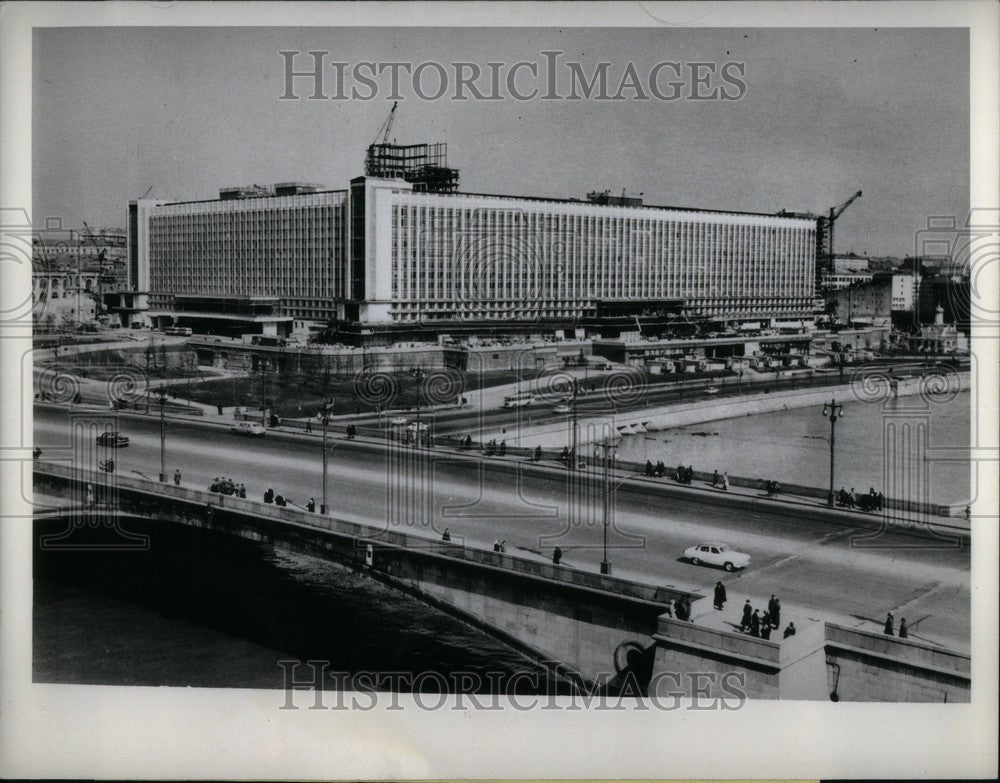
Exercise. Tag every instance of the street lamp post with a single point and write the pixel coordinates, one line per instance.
(163, 438)
(606, 445)
(326, 421)
(833, 411)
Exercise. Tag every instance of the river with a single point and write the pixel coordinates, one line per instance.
(793, 446)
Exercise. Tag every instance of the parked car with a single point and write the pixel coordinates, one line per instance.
(712, 390)
(112, 439)
(717, 554)
(247, 428)
(561, 409)
(398, 421)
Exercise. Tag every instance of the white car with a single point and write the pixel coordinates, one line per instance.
(717, 554)
(712, 390)
(561, 409)
(247, 428)
(398, 421)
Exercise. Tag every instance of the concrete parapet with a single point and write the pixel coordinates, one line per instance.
(822, 661)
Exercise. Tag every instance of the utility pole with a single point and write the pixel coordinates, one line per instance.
(163, 438)
(326, 421)
(606, 445)
(573, 436)
(834, 412)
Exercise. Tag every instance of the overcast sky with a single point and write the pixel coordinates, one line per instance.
(186, 110)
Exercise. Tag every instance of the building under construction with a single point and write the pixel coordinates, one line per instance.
(425, 166)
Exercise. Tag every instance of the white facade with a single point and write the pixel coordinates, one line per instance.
(445, 256)
(287, 247)
(904, 291)
(383, 254)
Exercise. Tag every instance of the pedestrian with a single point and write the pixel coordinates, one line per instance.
(765, 626)
(720, 595)
(776, 613)
(309, 425)
(446, 535)
(879, 501)
(715, 478)
(770, 605)
(503, 448)
(725, 480)
(556, 556)
(243, 491)
(496, 545)
(689, 474)
(888, 625)
(649, 469)
(661, 469)
(503, 546)
(747, 613)
(903, 631)
(968, 513)
(311, 505)
(789, 631)
(90, 495)
(755, 623)
(269, 495)
(177, 478)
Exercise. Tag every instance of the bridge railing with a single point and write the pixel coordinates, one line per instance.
(366, 533)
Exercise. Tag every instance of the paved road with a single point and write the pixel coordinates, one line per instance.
(818, 569)
(541, 412)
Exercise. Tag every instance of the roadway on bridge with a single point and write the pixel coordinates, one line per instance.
(819, 569)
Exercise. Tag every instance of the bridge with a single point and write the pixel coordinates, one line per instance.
(599, 630)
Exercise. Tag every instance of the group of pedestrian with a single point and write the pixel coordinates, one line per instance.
(889, 630)
(684, 475)
(868, 501)
(467, 443)
(500, 546)
(492, 448)
(771, 487)
(753, 622)
(224, 486)
(722, 480)
(659, 471)
(278, 500)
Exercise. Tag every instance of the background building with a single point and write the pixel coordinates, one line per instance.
(385, 261)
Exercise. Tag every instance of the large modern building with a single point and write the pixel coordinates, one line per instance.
(383, 261)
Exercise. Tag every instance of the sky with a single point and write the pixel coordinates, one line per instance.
(181, 112)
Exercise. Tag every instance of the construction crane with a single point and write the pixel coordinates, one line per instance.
(824, 230)
(385, 127)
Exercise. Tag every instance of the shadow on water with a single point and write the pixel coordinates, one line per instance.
(203, 608)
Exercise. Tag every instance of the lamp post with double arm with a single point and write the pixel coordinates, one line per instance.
(833, 411)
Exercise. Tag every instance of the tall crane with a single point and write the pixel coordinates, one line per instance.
(824, 231)
(382, 137)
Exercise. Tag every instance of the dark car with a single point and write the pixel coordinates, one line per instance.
(112, 439)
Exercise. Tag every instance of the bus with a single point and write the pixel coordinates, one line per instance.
(517, 400)
(178, 331)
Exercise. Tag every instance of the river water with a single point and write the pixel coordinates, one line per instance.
(205, 609)
(793, 446)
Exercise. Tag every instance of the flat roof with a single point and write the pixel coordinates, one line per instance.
(507, 196)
